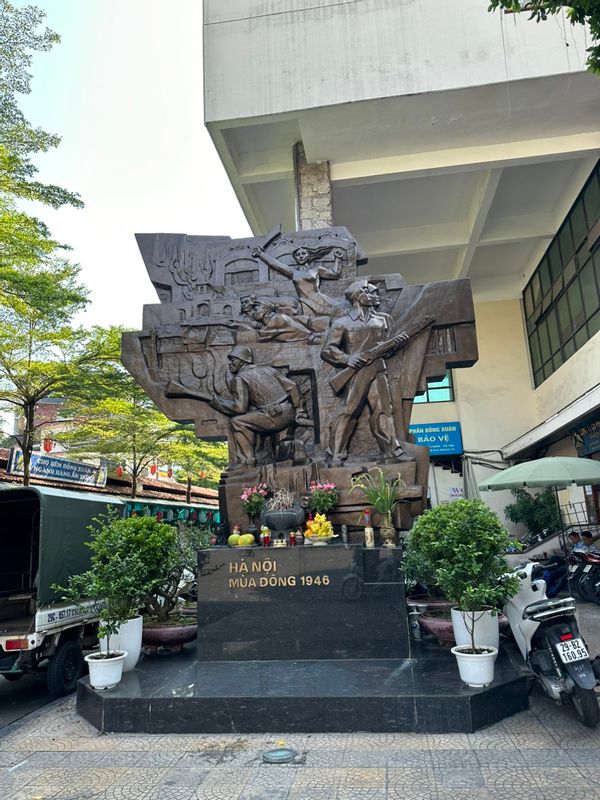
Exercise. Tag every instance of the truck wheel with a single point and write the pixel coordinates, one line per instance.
(64, 669)
(585, 703)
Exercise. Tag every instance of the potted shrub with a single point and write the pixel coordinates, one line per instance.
(463, 545)
(167, 622)
(539, 513)
(282, 512)
(121, 572)
(382, 494)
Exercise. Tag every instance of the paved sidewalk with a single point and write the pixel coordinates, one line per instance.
(542, 753)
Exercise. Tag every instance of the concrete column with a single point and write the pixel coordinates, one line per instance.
(313, 192)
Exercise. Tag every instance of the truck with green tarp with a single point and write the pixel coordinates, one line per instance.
(43, 535)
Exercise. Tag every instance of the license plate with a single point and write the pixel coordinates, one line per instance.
(573, 650)
(588, 568)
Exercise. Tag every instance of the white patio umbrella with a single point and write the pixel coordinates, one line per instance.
(557, 472)
(471, 490)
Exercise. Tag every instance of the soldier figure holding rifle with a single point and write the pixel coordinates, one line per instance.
(263, 402)
(359, 342)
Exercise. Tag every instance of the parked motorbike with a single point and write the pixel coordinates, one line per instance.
(586, 577)
(577, 565)
(550, 642)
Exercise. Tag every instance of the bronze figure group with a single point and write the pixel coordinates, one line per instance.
(277, 344)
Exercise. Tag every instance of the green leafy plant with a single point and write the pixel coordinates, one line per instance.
(128, 558)
(197, 461)
(323, 497)
(379, 491)
(116, 420)
(178, 572)
(537, 512)
(462, 545)
(25, 240)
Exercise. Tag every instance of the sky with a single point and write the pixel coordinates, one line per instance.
(124, 91)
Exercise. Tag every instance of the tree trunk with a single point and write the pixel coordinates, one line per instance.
(29, 413)
(188, 492)
(134, 478)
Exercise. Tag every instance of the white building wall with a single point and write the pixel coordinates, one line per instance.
(495, 401)
(285, 55)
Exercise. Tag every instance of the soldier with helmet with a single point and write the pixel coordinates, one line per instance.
(263, 402)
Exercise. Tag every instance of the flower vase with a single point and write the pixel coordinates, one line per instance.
(387, 530)
(254, 526)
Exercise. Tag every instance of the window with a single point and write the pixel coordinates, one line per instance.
(438, 391)
(562, 299)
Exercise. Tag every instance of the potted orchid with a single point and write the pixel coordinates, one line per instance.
(381, 491)
(323, 497)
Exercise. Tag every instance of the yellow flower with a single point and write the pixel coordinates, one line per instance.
(319, 527)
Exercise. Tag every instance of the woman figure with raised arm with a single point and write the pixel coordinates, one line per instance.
(306, 277)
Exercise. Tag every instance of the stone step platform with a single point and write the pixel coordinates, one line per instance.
(178, 694)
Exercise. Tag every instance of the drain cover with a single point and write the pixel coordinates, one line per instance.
(282, 755)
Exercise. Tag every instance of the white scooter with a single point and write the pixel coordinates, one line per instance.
(548, 637)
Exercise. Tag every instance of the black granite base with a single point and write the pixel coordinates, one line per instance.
(423, 694)
(301, 603)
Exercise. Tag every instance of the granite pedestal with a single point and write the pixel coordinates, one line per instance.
(178, 694)
(309, 602)
(302, 640)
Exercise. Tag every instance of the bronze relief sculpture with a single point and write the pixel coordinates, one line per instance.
(309, 371)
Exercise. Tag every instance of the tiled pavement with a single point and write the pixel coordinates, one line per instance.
(541, 754)
(544, 753)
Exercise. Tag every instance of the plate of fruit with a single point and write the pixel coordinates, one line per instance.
(241, 540)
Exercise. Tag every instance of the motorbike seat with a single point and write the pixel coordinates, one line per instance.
(559, 605)
(553, 566)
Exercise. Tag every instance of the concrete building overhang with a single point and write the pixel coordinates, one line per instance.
(472, 182)
(554, 428)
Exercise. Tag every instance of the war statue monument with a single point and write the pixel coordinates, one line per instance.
(309, 369)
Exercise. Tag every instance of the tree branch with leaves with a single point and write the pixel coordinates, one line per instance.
(194, 457)
(25, 241)
(41, 354)
(115, 419)
(578, 13)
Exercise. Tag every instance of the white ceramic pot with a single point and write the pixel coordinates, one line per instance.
(475, 669)
(105, 672)
(128, 638)
(486, 628)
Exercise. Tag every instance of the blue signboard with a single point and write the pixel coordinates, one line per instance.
(58, 469)
(442, 438)
(586, 438)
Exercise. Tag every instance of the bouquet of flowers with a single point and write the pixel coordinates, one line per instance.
(253, 498)
(319, 528)
(323, 497)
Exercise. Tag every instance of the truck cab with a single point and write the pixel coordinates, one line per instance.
(43, 535)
